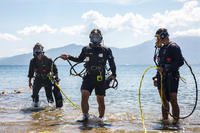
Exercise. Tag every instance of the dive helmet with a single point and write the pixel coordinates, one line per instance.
(162, 33)
(38, 49)
(95, 36)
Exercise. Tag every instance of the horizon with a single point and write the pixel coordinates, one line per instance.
(29, 52)
(129, 23)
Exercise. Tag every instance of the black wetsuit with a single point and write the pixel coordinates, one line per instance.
(170, 59)
(96, 58)
(40, 69)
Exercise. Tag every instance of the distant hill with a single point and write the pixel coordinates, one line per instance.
(141, 54)
(24, 59)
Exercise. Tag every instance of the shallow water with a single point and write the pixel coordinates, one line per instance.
(122, 109)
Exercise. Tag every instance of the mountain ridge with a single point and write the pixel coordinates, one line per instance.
(141, 54)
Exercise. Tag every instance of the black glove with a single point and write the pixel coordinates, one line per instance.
(56, 79)
(155, 81)
(114, 75)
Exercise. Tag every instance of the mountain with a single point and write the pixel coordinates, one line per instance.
(190, 48)
(141, 54)
(24, 59)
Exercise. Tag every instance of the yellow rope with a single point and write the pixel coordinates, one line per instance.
(72, 103)
(139, 98)
(139, 93)
(56, 84)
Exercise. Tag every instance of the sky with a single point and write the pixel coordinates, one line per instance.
(124, 23)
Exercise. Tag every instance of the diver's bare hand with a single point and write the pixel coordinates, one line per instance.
(64, 57)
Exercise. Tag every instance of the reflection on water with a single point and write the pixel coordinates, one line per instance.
(122, 109)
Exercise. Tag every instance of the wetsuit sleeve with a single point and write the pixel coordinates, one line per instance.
(111, 62)
(31, 69)
(178, 60)
(80, 58)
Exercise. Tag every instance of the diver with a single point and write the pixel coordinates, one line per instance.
(169, 59)
(96, 56)
(40, 70)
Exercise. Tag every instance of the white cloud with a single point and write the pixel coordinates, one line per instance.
(191, 32)
(30, 30)
(8, 37)
(129, 21)
(73, 30)
(183, 18)
(94, 19)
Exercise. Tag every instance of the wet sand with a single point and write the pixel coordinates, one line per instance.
(64, 127)
(60, 121)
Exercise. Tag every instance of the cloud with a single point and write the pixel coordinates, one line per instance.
(180, 19)
(73, 30)
(8, 37)
(129, 21)
(93, 19)
(190, 32)
(183, 18)
(31, 30)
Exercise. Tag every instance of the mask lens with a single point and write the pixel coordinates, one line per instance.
(38, 53)
(96, 38)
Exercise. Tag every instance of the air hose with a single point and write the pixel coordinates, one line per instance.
(139, 93)
(182, 79)
(56, 84)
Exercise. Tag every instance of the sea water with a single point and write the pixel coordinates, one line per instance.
(122, 107)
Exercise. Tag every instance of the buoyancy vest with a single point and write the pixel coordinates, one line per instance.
(42, 67)
(96, 59)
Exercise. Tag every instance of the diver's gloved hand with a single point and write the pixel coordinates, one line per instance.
(56, 79)
(113, 76)
(155, 81)
(30, 83)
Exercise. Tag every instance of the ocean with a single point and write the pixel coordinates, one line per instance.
(122, 106)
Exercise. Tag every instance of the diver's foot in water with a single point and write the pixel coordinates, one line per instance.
(100, 121)
(175, 122)
(84, 118)
(35, 104)
(50, 104)
(165, 121)
(59, 104)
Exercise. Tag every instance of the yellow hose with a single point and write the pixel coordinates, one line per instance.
(139, 93)
(56, 84)
(72, 103)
